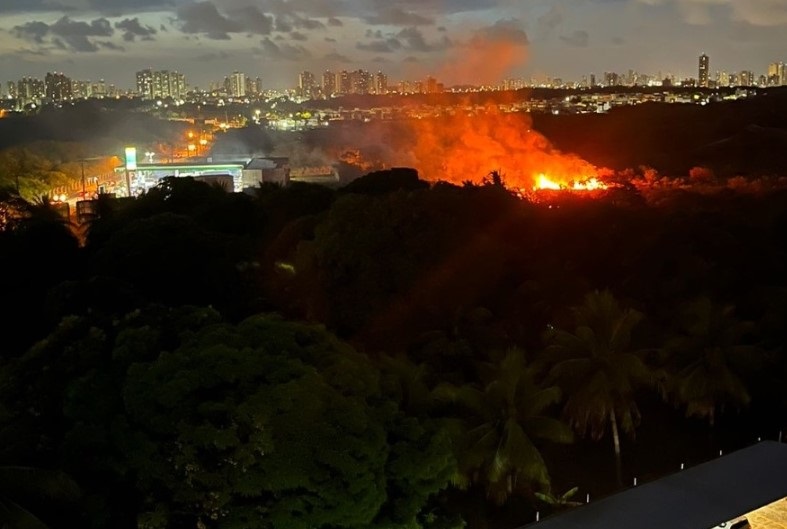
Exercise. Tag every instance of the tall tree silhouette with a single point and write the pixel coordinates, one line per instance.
(707, 359)
(598, 369)
(502, 422)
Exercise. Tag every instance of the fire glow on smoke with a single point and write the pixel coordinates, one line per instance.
(466, 147)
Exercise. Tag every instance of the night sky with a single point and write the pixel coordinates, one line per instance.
(275, 39)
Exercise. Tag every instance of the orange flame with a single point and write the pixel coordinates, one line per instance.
(543, 183)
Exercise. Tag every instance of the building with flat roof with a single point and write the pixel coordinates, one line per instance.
(702, 497)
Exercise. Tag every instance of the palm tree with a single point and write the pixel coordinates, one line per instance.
(501, 423)
(598, 369)
(706, 360)
(559, 501)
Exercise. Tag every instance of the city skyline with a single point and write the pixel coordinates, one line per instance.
(165, 84)
(460, 41)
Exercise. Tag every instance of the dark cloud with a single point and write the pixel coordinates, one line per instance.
(66, 34)
(388, 45)
(506, 31)
(283, 51)
(118, 7)
(204, 18)
(132, 29)
(577, 39)
(32, 6)
(253, 20)
(35, 31)
(396, 16)
(337, 57)
(335, 22)
(414, 40)
(213, 56)
(297, 35)
(109, 45)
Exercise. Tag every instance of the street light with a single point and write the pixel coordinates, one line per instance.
(149, 155)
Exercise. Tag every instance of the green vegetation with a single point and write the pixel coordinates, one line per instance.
(391, 355)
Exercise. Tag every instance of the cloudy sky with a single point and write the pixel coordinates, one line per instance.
(457, 40)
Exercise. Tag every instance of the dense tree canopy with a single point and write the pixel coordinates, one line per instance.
(318, 358)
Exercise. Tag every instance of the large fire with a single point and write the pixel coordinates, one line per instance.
(464, 144)
(543, 183)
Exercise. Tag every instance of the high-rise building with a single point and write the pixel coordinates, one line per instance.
(145, 84)
(81, 89)
(611, 79)
(380, 83)
(11, 89)
(724, 79)
(328, 83)
(776, 74)
(345, 82)
(30, 90)
(746, 78)
(361, 82)
(160, 84)
(100, 89)
(432, 86)
(253, 86)
(57, 87)
(703, 78)
(235, 84)
(307, 84)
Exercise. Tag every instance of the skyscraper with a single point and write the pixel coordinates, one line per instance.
(776, 74)
(328, 83)
(345, 82)
(704, 71)
(145, 84)
(380, 83)
(307, 84)
(236, 84)
(746, 78)
(58, 87)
